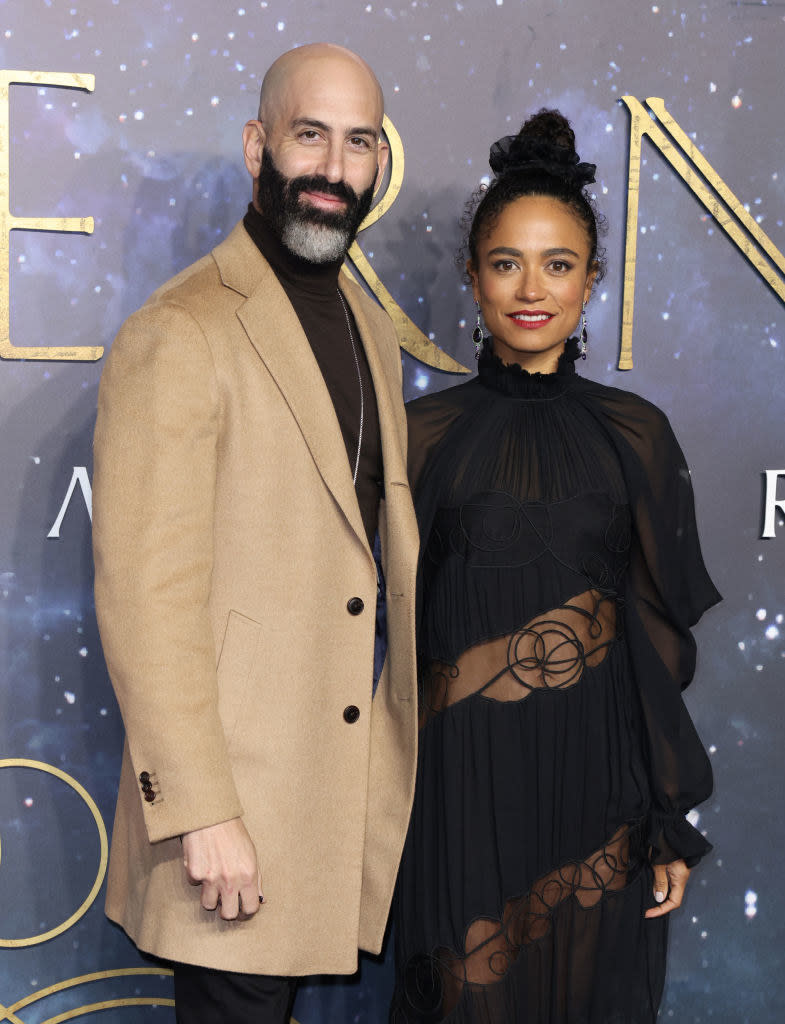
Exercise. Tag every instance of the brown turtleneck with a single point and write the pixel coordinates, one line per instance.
(312, 289)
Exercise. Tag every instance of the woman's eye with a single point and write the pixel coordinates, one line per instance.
(559, 266)
(505, 266)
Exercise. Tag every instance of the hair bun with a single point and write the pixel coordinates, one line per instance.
(545, 143)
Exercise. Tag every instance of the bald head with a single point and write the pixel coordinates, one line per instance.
(316, 151)
(306, 67)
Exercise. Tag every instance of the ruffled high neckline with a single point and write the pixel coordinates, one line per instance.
(513, 380)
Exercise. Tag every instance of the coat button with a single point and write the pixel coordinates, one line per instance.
(147, 787)
(351, 714)
(149, 796)
(144, 777)
(355, 605)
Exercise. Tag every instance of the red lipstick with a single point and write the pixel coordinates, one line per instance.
(531, 319)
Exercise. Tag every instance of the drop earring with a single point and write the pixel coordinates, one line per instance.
(583, 336)
(477, 335)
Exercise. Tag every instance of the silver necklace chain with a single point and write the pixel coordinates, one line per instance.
(360, 382)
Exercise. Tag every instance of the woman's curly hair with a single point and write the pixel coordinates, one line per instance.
(540, 160)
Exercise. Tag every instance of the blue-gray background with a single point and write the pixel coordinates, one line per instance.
(154, 155)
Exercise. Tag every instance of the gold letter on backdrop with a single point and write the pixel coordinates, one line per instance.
(9, 223)
(724, 206)
(410, 336)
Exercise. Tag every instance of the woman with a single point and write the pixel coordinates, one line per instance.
(560, 575)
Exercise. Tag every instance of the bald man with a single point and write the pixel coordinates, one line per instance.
(255, 555)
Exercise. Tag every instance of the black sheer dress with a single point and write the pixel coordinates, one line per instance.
(560, 575)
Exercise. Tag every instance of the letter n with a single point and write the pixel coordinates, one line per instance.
(707, 186)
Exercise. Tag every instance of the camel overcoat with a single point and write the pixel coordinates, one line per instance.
(229, 554)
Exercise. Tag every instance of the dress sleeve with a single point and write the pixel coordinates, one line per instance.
(667, 591)
(427, 422)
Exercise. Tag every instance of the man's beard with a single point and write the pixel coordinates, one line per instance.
(315, 235)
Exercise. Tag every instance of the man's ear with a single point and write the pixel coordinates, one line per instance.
(382, 156)
(254, 138)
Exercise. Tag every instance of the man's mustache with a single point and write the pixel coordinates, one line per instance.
(318, 183)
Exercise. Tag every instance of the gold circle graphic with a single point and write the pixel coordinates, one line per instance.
(10, 1012)
(80, 1011)
(22, 762)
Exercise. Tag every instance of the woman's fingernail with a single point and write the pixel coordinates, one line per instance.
(659, 897)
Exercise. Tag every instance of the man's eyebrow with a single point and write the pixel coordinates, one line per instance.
(365, 130)
(312, 122)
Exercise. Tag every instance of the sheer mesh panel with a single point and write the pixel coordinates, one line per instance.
(491, 947)
(550, 652)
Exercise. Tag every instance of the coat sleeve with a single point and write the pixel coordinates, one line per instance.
(156, 441)
(668, 589)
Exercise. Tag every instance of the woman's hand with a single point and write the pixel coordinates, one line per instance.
(670, 881)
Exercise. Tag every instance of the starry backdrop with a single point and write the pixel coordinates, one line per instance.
(153, 154)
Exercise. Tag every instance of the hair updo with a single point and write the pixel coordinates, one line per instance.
(539, 161)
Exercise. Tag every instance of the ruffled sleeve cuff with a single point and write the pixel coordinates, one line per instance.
(671, 837)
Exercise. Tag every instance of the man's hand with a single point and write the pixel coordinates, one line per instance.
(222, 859)
(669, 883)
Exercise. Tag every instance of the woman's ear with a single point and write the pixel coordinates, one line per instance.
(474, 280)
(590, 282)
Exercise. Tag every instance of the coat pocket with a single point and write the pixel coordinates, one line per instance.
(235, 663)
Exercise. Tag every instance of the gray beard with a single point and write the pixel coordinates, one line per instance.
(316, 243)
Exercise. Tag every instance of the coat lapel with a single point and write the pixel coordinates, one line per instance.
(384, 379)
(275, 332)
